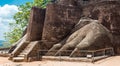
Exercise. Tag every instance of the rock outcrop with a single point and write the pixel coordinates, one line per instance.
(69, 25)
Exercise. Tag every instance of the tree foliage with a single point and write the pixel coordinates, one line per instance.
(21, 20)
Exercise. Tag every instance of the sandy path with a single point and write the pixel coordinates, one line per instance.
(111, 61)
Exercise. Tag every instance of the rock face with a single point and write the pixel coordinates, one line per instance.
(59, 21)
(108, 14)
(80, 2)
(35, 27)
(68, 2)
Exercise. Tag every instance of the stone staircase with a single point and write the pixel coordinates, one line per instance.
(24, 54)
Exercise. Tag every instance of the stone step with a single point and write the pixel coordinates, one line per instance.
(24, 51)
(27, 49)
(21, 55)
(18, 59)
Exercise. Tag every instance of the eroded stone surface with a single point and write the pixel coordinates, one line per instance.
(36, 23)
(108, 13)
(59, 21)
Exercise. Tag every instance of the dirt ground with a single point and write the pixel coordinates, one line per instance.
(111, 61)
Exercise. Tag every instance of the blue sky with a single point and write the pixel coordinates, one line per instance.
(7, 9)
(13, 2)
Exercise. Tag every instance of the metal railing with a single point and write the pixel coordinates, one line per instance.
(90, 54)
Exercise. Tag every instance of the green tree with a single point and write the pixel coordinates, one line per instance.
(21, 20)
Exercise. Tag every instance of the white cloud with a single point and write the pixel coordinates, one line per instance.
(6, 16)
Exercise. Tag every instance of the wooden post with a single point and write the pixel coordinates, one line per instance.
(92, 57)
(60, 56)
(112, 51)
(104, 52)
